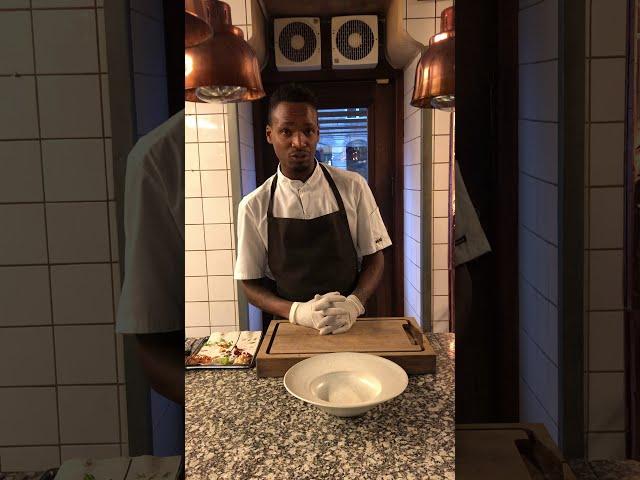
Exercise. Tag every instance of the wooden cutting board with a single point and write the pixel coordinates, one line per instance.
(397, 338)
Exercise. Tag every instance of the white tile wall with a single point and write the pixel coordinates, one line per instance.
(209, 291)
(58, 271)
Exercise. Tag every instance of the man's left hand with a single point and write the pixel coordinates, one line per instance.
(347, 312)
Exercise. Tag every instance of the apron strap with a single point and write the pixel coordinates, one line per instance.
(273, 190)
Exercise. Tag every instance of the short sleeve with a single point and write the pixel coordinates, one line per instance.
(372, 233)
(252, 254)
(152, 296)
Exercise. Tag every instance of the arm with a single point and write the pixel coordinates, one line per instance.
(162, 358)
(265, 299)
(370, 276)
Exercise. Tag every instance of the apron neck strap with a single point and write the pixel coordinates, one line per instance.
(327, 175)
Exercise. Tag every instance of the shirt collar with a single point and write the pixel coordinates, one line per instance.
(312, 182)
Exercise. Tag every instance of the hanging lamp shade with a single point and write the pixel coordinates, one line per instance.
(197, 22)
(435, 81)
(223, 68)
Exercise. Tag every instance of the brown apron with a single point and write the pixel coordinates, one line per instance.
(311, 256)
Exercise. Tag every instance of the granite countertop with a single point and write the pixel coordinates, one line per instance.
(243, 427)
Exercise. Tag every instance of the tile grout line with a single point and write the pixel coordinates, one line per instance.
(46, 235)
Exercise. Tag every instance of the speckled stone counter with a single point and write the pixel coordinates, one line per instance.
(239, 426)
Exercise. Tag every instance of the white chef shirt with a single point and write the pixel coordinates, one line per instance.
(152, 297)
(306, 200)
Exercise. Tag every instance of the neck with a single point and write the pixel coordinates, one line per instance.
(302, 175)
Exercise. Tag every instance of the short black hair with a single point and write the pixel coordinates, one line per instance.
(291, 92)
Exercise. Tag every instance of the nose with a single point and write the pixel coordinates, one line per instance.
(298, 140)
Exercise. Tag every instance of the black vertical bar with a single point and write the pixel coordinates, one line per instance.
(571, 109)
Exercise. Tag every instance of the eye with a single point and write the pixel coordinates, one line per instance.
(285, 131)
(309, 131)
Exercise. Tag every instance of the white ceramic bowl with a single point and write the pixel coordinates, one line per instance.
(345, 384)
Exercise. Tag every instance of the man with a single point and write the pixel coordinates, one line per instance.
(314, 230)
(151, 305)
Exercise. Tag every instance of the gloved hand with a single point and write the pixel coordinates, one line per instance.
(351, 309)
(314, 313)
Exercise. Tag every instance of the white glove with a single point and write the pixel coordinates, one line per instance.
(351, 309)
(313, 314)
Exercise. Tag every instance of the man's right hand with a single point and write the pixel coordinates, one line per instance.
(313, 314)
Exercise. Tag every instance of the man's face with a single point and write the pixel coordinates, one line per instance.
(294, 134)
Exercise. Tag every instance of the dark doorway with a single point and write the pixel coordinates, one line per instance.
(357, 106)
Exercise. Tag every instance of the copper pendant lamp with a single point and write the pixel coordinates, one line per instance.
(197, 22)
(223, 68)
(435, 82)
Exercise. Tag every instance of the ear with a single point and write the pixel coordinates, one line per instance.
(269, 132)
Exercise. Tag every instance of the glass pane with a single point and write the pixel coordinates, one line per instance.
(343, 139)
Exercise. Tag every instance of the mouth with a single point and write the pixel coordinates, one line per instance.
(299, 155)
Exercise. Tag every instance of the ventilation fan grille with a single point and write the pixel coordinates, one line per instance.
(354, 39)
(297, 42)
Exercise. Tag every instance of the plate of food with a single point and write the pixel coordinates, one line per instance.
(234, 349)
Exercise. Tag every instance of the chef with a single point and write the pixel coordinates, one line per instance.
(312, 232)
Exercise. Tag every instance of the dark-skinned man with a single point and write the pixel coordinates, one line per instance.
(314, 231)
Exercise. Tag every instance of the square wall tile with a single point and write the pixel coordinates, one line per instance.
(29, 459)
(440, 203)
(441, 327)
(440, 259)
(538, 91)
(606, 217)
(147, 45)
(194, 237)
(191, 160)
(606, 341)
(441, 149)
(412, 126)
(538, 149)
(18, 109)
(209, 108)
(441, 5)
(608, 27)
(223, 313)
(195, 264)
(606, 446)
(411, 152)
(82, 294)
(605, 279)
(78, 232)
(16, 56)
(95, 452)
(150, 8)
(413, 177)
(61, 114)
(216, 210)
(195, 289)
(192, 186)
(412, 201)
(22, 237)
(440, 308)
(74, 170)
(113, 232)
(10, 4)
(124, 424)
(221, 288)
(193, 211)
(213, 156)
(24, 296)
(96, 342)
(440, 230)
(606, 401)
(540, 23)
(607, 154)
(608, 89)
(108, 150)
(440, 180)
(61, 3)
(190, 128)
(214, 184)
(218, 236)
(440, 282)
(26, 356)
(238, 12)
(106, 105)
(89, 414)
(245, 131)
(196, 314)
(102, 41)
(211, 128)
(28, 416)
(219, 262)
(20, 172)
(73, 49)
(197, 332)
